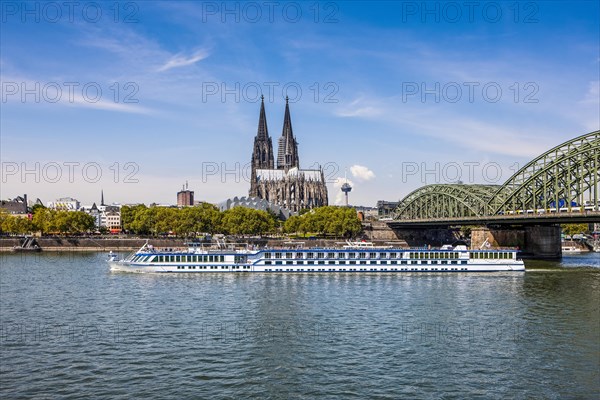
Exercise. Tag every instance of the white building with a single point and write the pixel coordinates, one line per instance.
(64, 204)
(108, 217)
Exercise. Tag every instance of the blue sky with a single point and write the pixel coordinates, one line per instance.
(399, 94)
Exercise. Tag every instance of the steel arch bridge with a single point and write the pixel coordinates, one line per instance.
(564, 179)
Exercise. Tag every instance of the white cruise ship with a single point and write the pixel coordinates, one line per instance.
(351, 258)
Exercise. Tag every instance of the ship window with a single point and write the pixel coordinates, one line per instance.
(320, 255)
(310, 255)
(300, 262)
(310, 262)
(374, 255)
(351, 255)
(341, 255)
(222, 258)
(362, 255)
(331, 262)
(289, 255)
(289, 262)
(395, 262)
(277, 262)
(267, 262)
(330, 255)
(352, 262)
(267, 255)
(342, 262)
(392, 255)
(277, 255)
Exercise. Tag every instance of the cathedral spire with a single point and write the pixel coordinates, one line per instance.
(101, 197)
(263, 131)
(287, 154)
(262, 154)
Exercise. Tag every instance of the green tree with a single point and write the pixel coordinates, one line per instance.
(574, 229)
(17, 225)
(36, 208)
(292, 224)
(328, 220)
(246, 221)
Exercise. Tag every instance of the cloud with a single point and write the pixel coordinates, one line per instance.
(593, 94)
(358, 108)
(182, 61)
(108, 106)
(362, 173)
(61, 95)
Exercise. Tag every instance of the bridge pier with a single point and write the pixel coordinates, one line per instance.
(543, 242)
(536, 241)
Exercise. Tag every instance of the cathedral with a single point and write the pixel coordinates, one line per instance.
(287, 185)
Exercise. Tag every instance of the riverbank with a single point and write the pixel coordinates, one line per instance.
(90, 244)
(131, 244)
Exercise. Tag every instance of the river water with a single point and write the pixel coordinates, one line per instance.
(69, 328)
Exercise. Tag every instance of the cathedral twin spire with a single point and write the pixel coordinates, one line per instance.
(287, 154)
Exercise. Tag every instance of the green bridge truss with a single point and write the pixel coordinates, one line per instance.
(564, 178)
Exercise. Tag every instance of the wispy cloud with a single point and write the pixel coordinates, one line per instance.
(108, 106)
(593, 94)
(182, 61)
(65, 98)
(359, 108)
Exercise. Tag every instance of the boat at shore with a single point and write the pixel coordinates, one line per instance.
(566, 250)
(354, 257)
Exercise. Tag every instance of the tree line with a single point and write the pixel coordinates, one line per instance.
(334, 221)
(190, 221)
(200, 219)
(48, 221)
(206, 218)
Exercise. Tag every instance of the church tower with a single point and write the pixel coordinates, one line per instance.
(262, 155)
(287, 153)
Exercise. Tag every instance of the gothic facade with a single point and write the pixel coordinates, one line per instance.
(285, 185)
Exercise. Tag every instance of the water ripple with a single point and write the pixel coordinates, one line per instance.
(71, 329)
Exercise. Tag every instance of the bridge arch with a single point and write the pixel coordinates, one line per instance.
(565, 176)
(446, 201)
